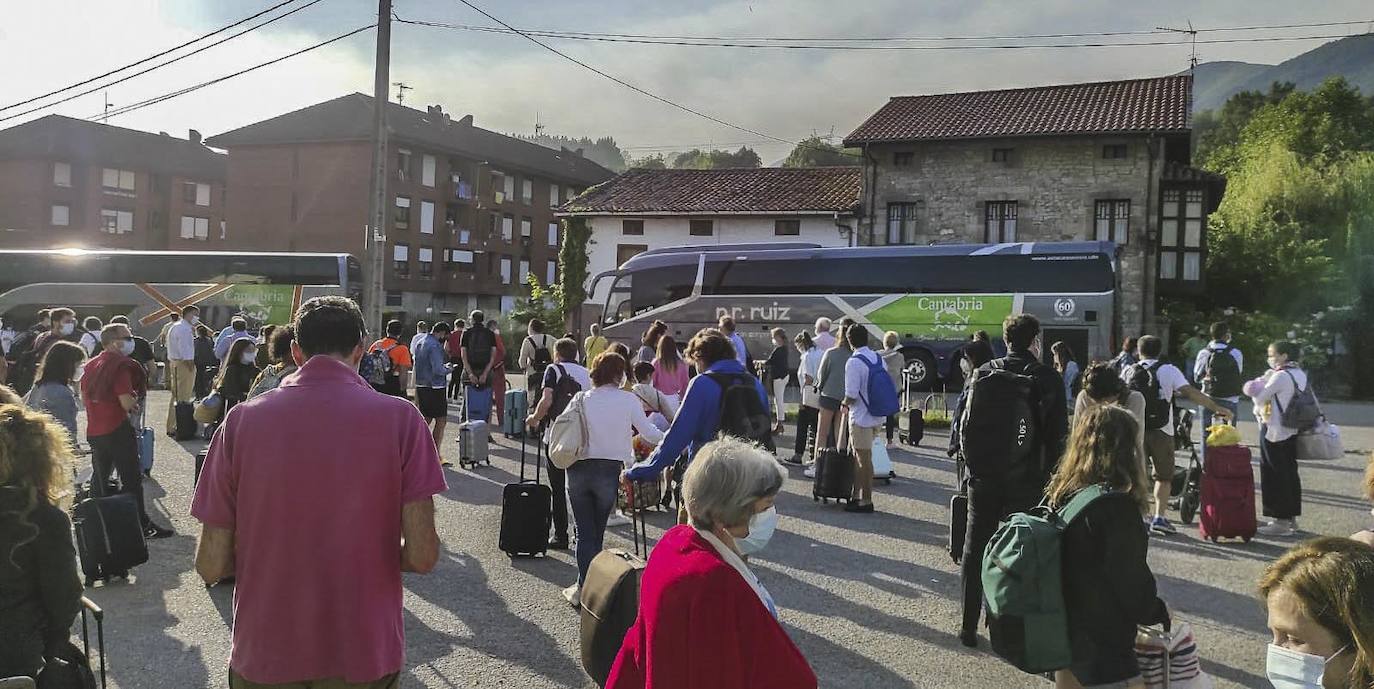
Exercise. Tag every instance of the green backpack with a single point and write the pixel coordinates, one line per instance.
(1023, 588)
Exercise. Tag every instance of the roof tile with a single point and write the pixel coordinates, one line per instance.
(723, 191)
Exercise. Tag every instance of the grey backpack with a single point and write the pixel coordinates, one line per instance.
(1303, 411)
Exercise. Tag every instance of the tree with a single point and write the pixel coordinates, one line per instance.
(603, 151)
(816, 152)
(697, 159)
(653, 162)
(1214, 131)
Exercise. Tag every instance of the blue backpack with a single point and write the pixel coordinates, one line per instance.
(882, 392)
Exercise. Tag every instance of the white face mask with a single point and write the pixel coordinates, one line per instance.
(761, 527)
(126, 347)
(249, 357)
(1289, 669)
(68, 328)
(966, 366)
(195, 320)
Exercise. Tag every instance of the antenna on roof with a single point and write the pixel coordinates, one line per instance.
(538, 126)
(401, 89)
(106, 115)
(1192, 36)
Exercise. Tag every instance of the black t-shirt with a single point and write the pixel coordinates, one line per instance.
(480, 345)
(143, 352)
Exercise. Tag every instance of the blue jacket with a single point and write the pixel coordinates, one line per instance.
(696, 421)
(226, 339)
(430, 371)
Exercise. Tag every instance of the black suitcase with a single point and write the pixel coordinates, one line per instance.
(958, 515)
(915, 427)
(526, 512)
(186, 421)
(200, 464)
(610, 601)
(109, 536)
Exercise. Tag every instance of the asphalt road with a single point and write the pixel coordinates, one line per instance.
(871, 600)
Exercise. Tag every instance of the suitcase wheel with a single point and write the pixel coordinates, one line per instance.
(1246, 538)
(887, 480)
(815, 498)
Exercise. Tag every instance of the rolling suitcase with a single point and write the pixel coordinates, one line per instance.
(526, 513)
(473, 444)
(882, 462)
(109, 536)
(610, 601)
(517, 408)
(958, 514)
(1228, 494)
(477, 403)
(70, 666)
(200, 464)
(834, 472)
(186, 421)
(915, 427)
(96, 613)
(145, 437)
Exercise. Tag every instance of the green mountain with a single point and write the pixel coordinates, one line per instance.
(1352, 58)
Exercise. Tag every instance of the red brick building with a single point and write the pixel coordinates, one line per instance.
(470, 211)
(66, 182)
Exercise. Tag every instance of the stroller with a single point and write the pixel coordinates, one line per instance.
(1186, 491)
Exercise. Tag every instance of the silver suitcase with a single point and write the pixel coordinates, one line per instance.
(473, 441)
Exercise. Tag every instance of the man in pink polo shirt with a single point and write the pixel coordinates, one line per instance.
(316, 496)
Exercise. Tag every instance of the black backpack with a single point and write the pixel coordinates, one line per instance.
(742, 413)
(1001, 420)
(480, 347)
(563, 391)
(542, 357)
(1145, 380)
(1221, 378)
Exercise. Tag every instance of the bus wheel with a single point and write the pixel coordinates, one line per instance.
(920, 371)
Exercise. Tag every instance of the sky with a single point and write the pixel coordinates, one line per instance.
(508, 83)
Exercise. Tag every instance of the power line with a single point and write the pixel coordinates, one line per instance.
(131, 65)
(702, 43)
(816, 43)
(161, 65)
(181, 92)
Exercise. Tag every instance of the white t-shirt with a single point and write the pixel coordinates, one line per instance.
(612, 414)
(1170, 380)
(811, 366)
(1277, 394)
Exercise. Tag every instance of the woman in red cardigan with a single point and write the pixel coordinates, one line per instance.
(704, 618)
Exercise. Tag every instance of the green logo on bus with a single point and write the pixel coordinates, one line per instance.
(263, 303)
(944, 316)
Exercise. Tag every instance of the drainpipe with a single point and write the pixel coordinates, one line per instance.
(1151, 218)
(872, 191)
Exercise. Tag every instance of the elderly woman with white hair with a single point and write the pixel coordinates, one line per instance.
(704, 619)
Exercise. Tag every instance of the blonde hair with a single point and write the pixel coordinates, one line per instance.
(35, 457)
(1101, 449)
(1333, 580)
(890, 339)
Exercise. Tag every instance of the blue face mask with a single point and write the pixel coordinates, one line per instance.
(761, 527)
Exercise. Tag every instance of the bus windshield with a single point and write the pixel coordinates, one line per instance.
(655, 287)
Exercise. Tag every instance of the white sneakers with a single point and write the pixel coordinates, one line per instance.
(573, 594)
(617, 518)
(1279, 528)
(809, 471)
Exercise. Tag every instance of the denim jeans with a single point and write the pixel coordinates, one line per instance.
(593, 485)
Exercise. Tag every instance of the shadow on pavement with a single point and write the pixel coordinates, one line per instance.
(1225, 550)
(838, 666)
(1223, 607)
(791, 506)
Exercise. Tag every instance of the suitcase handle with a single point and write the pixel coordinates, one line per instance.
(99, 615)
(538, 451)
(639, 528)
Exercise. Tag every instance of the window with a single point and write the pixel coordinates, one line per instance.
(116, 222)
(461, 260)
(1112, 219)
(507, 228)
(223, 229)
(195, 228)
(625, 252)
(118, 182)
(701, 228)
(394, 298)
(505, 270)
(426, 262)
(400, 259)
(194, 192)
(427, 217)
(551, 273)
(1114, 151)
(633, 227)
(1000, 222)
(787, 227)
(1180, 235)
(400, 215)
(553, 196)
(464, 237)
(427, 171)
(524, 271)
(498, 185)
(509, 187)
(553, 234)
(61, 215)
(901, 223)
(526, 228)
(1001, 155)
(903, 159)
(403, 165)
(62, 174)
(527, 191)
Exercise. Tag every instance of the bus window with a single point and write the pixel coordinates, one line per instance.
(618, 306)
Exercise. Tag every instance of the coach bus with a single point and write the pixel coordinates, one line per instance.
(934, 297)
(148, 286)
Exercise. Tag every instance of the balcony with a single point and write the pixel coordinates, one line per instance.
(462, 191)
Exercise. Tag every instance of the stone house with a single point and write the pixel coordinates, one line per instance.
(1106, 161)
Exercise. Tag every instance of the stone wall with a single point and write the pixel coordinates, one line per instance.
(1055, 182)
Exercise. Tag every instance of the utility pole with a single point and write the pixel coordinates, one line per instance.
(376, 231)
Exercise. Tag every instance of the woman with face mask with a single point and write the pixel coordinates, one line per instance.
(237, 374)
(611, 415)
(1320, 598)
(1280, 485)
(705, 619)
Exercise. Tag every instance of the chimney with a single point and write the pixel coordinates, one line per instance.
(435, 110)
(466, 121)
(194, 136)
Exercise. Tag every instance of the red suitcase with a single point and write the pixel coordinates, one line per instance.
(1228, 494)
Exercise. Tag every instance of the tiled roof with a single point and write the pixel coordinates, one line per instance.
(1138, 105)
(349, 118)
(68, 138)
(724, 191)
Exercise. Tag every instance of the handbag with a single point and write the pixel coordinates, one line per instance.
(1170, 658)
(209, 407)
(568, 435)
(1322, 441)
(67, 668)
